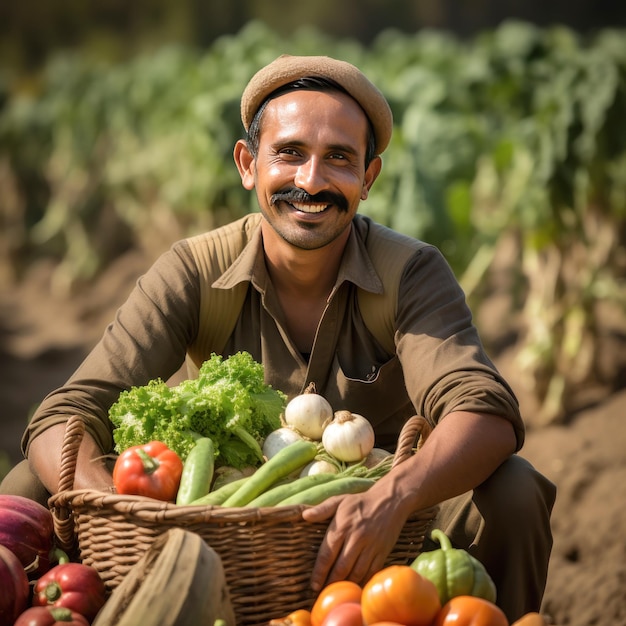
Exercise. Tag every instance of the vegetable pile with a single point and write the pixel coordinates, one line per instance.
(229, 402)
(401, 595)
(229, 439)
(38, 583)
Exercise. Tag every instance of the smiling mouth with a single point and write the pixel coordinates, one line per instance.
(309, 208)
(310, 204)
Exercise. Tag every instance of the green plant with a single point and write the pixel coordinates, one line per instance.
(512, 138)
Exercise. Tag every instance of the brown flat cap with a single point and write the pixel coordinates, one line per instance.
(286, 69)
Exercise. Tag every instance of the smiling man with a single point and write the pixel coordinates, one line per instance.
(318, 293)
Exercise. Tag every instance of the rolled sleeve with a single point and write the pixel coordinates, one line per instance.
(148, 339)
(445, 365)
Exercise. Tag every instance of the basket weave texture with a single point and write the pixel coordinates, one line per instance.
(268, 553)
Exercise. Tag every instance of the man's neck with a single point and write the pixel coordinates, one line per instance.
(308, 274)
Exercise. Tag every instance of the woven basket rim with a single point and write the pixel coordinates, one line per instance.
(144, 506)
(66, 503)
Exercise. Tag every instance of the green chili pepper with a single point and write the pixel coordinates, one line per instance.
(454, 572)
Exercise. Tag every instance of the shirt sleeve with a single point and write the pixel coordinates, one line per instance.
(148, 339)
(444, 362)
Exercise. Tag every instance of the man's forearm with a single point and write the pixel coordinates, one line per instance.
(44, 456)
(460, 453)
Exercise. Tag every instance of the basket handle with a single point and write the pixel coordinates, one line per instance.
(74, 431)
(412, 436)
(62, 515)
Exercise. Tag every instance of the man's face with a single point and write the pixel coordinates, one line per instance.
(309, 173)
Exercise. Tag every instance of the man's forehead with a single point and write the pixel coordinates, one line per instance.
(334, 116)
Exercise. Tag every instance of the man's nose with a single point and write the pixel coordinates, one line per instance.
(310, 176)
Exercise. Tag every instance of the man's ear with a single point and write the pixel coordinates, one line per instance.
(371, 174)
(245, 164)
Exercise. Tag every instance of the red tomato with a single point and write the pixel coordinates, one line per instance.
(399, 594)
(331, 596)
(470, 611)
(346, 614)
(50, 616)
(75, 586)
(151, 470)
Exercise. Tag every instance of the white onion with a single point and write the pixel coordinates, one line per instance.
(349, 437)
(277, 440)
(375, 457)
(319, 467)
(308, 413)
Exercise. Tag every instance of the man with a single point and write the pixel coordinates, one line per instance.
(311, 272)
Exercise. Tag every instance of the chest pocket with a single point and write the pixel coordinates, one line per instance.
(381, 398)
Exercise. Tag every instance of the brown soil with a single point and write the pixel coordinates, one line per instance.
(44, 335)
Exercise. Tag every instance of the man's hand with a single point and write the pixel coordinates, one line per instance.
(362, 533)
(460, 453)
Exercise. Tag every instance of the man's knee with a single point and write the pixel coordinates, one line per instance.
(21, 481)
(515, 491)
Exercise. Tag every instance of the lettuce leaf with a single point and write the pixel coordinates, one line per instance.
(228, 402)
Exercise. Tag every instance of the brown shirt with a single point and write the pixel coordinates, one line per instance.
(439, 365)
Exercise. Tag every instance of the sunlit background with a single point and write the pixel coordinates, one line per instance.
(117, 121)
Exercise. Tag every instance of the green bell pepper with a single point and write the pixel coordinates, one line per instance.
(454, 572)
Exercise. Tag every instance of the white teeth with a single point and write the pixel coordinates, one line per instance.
(309, 208)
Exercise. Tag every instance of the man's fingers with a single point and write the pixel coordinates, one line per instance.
(322, 511)
(326, 556)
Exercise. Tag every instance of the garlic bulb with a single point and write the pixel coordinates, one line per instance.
(308, 413)
(349, 437)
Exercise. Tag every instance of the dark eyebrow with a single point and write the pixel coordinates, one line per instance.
(345, 148)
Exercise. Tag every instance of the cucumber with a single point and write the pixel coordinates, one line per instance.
(318, 493)
(217, 497)
(197, 475)
(292, 457)
(275, 494)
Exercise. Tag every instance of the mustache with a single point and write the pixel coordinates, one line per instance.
(294, 194)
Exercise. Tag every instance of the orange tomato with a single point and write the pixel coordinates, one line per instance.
(470, 611)
(331, 596)
(345, 614)
(399, 594)
(300, 617)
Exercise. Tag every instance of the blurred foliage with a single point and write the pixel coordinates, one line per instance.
(30, 29)
(513, 136)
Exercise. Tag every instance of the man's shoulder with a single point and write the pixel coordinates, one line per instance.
(215, 250)
(376, 236)
(239, 229)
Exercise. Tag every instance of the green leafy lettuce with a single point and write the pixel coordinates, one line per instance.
(228, 402)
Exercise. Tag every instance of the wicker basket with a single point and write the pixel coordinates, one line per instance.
(267, 553)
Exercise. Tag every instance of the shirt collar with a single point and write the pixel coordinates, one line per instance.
(356, 266)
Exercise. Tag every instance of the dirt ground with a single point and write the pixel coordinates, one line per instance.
(44, 336)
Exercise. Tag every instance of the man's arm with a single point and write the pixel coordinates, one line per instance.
(44, 457)
(148, 339)
(460, 453)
